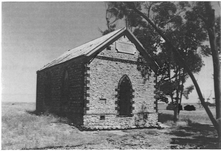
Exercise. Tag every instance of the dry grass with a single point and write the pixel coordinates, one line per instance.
(199, 116)
(22, 130)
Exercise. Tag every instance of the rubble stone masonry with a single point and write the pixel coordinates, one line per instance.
(104, 74)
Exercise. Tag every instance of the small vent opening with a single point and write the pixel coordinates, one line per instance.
(102, 117)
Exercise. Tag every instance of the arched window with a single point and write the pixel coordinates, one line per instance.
(125, 95)
(65, 92)
(48, 90)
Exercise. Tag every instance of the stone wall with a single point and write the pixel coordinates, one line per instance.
(74, 109)
(104, 72)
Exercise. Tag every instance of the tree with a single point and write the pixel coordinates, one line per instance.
(207, 17)
(169, 18)
(205, 12)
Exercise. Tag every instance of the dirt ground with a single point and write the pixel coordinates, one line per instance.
(48, 133)
(195, 136)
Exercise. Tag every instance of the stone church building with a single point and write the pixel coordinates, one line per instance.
(98, 85)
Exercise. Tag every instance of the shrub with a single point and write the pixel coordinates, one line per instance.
(190, 108)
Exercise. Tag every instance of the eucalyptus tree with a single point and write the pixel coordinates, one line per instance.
(204, 12)
(185, 35)
(178, 29)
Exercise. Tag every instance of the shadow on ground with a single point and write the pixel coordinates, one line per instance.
(33, 112)
(194, 136)
(163, 118)
(60, 118)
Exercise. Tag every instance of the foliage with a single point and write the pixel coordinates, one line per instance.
(199, 15)
(187, 91)
(179, 25)
(206, 14)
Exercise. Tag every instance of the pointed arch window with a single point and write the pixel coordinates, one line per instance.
(125, 96)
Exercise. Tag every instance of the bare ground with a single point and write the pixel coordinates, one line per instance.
(22, 130)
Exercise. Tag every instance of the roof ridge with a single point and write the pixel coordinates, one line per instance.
(117, 31)
(97, 38)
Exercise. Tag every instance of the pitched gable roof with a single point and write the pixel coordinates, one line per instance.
(94, 47)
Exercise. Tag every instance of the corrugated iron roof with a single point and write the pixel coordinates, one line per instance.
(94, 47)
(85, 49)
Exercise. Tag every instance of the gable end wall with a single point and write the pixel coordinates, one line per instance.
(104, 74)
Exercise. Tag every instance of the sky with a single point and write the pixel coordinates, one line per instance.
(35, 33)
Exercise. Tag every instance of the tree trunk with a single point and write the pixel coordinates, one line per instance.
(216, 74)
(184, 65)
(216, 65)
(219, 139)
(176, 112)
(176, 115)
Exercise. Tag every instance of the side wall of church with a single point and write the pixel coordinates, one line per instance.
(73, 108)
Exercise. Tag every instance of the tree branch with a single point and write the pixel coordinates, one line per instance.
(165, 22)
(201, 17)
(183, 63)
